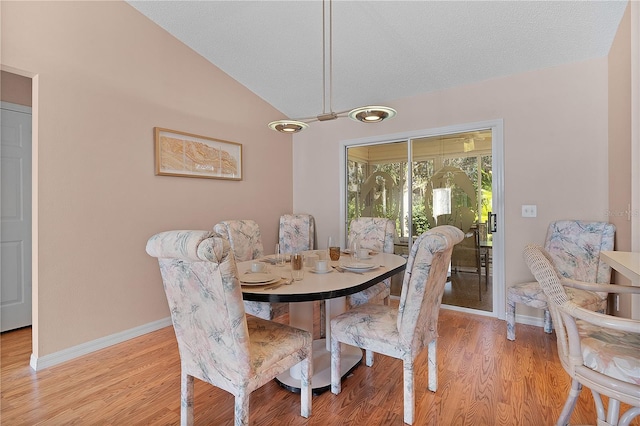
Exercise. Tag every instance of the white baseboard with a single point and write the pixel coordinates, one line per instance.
(528, 320)
(38, 363)
(520, 319)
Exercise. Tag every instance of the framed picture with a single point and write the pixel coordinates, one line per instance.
(188, 155)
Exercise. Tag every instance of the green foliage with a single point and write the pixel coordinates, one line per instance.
(419, 217)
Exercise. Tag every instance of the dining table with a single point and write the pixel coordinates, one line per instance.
(625, 262)
(332, 286)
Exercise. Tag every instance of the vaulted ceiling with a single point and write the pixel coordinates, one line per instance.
(383, 50)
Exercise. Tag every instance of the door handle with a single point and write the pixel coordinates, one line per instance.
(493, 223)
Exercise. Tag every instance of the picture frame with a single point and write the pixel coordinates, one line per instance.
(189, 155)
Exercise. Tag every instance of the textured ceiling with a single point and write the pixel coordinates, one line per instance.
(383, 50)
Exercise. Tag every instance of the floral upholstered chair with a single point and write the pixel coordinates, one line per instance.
(218, 344)
(574, 247)
(599, 351)
(246, 243)
(296, 233)
(376, 234)
(244, 236)
(404, 332)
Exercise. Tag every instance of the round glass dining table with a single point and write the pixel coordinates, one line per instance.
(331, 286)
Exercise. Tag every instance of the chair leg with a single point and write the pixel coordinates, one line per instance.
(600, 410)
(186, 399)
(511, 319)
(306, 372)
(368, 357)
(613, 411)
(336, 386)
(548, 323)
(241, 409)
(409, 395)
(432, 369)
(570, 404)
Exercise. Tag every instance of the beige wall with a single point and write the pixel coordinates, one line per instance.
(104, 76)
(555, 149)
(15, 88)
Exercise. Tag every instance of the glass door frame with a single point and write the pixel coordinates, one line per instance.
(496, 126)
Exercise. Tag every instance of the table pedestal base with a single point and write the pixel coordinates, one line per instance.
(321, 380)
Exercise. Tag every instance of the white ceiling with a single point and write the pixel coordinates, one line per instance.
(383, 50)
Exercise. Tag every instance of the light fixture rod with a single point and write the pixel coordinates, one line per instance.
(365, 114)
(330, 56)
(327, 92)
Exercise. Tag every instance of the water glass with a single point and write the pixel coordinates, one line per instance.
(354, 247)
(279, 259)
(297, 266)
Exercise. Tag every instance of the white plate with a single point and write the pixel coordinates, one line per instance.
(365, 258)
(256, 284)
(259, 278)
(326, 271)
(359, 266)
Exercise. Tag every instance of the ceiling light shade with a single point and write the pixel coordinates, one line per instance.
(288, 126)
(372, 114)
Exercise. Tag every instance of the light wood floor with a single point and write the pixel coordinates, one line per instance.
(483, 380)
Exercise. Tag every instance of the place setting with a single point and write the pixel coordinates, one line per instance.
(356, 267)
(259, 275)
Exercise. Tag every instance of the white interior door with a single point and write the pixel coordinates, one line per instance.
(15, 228)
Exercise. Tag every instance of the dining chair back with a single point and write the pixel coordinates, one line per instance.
(470, 253)
(246, 243)
(244, 237)
(296, 233)
(422, 288)
(574, 247)
(376, 234)
(599, 351)
(403, 332)
(484, 255)
(218, 343)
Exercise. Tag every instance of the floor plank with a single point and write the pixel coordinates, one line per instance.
(483, 379)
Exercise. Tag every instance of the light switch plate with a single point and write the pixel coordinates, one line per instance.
(529, 210)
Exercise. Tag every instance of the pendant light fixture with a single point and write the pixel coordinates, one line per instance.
(365, 114)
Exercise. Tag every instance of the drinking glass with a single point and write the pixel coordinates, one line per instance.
(334, 249)
(297, 266)
(354, 247)
(279, 259)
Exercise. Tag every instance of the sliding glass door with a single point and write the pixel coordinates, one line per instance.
(424, 182)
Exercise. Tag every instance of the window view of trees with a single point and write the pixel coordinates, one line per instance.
(378, 179)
